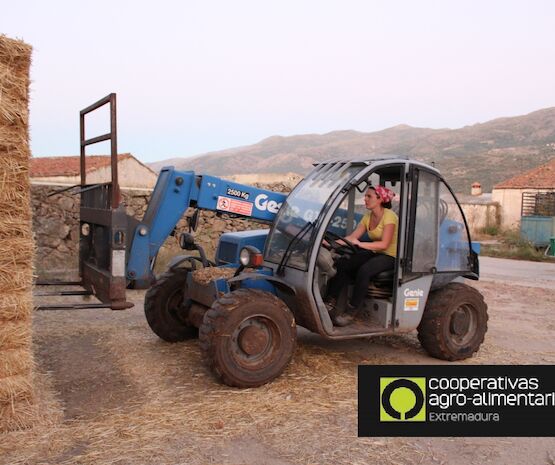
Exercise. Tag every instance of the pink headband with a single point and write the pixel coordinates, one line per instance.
(384, 193)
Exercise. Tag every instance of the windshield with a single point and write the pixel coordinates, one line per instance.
(304, 205)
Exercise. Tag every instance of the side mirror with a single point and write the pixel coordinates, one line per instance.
(193, 221)
(363, 186)
(187, 241)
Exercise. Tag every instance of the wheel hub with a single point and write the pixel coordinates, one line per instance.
(255, 342)
(253, 339)
(460, 322)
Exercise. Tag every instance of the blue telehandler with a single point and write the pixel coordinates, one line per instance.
(249, 298)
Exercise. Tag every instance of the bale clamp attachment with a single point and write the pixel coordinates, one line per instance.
(102, 228)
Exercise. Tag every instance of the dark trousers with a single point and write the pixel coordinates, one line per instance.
(360, 267)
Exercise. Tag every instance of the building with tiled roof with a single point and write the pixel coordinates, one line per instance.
(509, 193)
(66, 171)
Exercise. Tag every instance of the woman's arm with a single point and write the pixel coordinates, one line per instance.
(383, 244)
(357, 233)
(354, 236)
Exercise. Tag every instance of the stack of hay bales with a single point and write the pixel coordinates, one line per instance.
(16, 242)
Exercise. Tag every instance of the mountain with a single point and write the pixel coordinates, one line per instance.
(487, 152)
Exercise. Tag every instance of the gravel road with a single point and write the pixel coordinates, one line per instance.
(117, 394)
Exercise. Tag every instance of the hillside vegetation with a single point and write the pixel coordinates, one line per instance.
(488, 152)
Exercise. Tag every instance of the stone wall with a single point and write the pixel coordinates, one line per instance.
(56, 223)
(56, 228)
(482, 215)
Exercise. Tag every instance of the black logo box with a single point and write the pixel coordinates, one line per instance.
(514, 421)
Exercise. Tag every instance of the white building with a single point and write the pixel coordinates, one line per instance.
(509, 193)
(66, 171)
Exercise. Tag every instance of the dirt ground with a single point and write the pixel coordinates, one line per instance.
(111, 392)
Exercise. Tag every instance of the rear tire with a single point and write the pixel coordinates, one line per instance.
(454, 323)
(164, 309)
(248, 337)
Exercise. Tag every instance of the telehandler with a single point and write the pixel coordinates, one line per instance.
(275, 279)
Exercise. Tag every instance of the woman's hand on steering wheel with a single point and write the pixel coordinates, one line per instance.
(331, 237)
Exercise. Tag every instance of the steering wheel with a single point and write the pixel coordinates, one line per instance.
(331, 237)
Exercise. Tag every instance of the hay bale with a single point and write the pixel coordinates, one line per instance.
(19, 281)
(16, 306)
(16, 243)
(17, 415)
(14, 182)
(15, 253)
(15, 60)
(12, 226)
(14, 388)
(15, 362)
(15, 335)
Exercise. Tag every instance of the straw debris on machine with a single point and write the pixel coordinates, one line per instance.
(208, 274)
(16, 241)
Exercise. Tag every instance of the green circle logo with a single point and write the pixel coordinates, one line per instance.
(402, 399)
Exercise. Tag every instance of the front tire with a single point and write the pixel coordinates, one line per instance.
(248, 337)
(454, 323)
(164, 307)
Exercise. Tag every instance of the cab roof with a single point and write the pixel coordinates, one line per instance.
(367, 160)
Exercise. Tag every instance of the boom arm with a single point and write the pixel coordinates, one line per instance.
(174, 192)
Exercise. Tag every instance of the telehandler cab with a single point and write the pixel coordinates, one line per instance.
(277, 278)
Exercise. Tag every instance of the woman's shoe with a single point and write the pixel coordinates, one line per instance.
(344, 319)
(347, 317)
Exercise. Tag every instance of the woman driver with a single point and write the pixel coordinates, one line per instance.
(373, 257)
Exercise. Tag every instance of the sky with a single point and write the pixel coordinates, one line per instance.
(198, 76)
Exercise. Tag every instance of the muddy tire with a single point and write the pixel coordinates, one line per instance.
(248, 337)
(164, 310)
(454, 323)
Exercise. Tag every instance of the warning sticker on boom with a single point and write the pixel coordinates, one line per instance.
(240, 207)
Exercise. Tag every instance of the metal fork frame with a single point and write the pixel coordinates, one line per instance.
(111, 136)
(100, 282)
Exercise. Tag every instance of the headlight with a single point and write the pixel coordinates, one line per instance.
(244, 257)
(250, 256)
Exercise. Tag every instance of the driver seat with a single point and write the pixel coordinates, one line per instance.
(381, 286)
